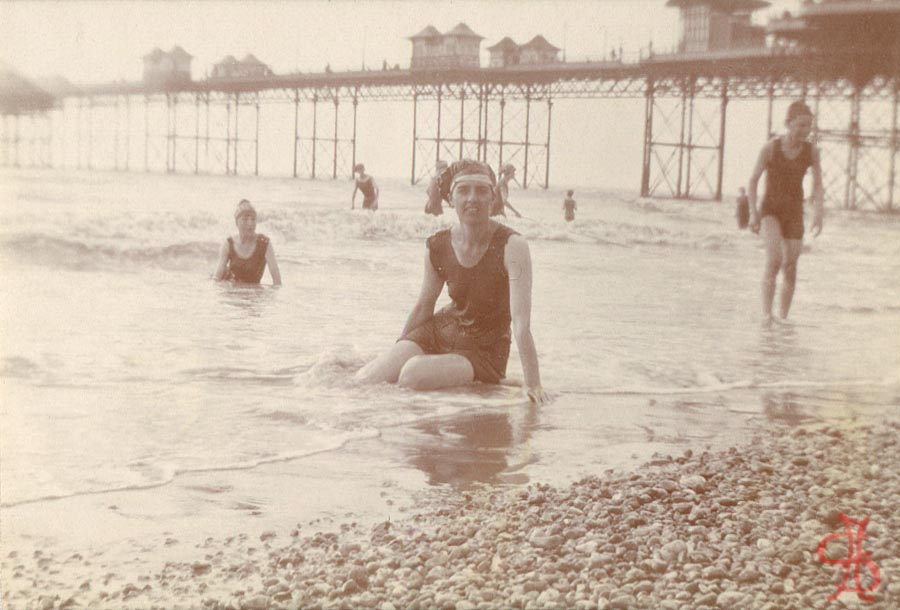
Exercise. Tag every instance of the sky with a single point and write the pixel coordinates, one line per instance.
(94, 42)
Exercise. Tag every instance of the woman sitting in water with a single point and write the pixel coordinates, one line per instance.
(246, 259)
(487, 269)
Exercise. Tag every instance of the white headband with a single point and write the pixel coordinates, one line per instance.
(474, 178)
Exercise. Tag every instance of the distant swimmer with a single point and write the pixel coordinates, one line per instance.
(245, 259)
(487, 269)
(435, 205)
(569, 206)
(501, 192)
(366, 184)
(785, 160)
(742, 212)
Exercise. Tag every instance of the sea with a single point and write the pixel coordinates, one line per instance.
(125, 369)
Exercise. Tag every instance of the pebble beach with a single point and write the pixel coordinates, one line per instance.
(735, 528)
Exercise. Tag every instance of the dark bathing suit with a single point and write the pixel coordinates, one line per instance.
(570, 209)
(434, 205)
(784, 189)
(248, 270)
(367, 187)
(476, 324)
(501, 194)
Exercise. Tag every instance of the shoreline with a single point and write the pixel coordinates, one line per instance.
(732, 528)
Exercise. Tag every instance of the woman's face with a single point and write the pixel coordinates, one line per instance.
(472, 201)
(246, 224)
(800, 126)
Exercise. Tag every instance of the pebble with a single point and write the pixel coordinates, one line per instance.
(731, 599)
(259, 602)
(622, 602)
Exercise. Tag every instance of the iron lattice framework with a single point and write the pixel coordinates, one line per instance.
(497, 124)
(497, 115)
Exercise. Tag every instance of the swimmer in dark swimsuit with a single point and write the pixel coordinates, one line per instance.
(244, 259)
(785, 160)
(569, 206)
(366, 184)
(487, 269)
(435, 204)
(501, 192)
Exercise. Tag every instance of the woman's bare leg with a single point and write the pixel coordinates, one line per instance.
(435, 372)
(386, 367)
(792, 249)
(770, 230)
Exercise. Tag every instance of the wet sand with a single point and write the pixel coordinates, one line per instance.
(735, 527)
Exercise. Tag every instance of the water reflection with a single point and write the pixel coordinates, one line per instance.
(249, 299)
(481, 447)
(785, 408)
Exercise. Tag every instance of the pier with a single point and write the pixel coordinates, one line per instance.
(502, 114)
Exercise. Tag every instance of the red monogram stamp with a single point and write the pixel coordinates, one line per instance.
(855, 560)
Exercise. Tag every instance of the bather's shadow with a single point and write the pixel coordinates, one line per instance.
(469, 448)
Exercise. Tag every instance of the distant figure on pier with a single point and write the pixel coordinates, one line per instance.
(501, 192)
(434, 204)
(743, 209)
(327, 68)
(486, 267)
(244, 258)
(785, 160)
(366, 184)
(569, 206)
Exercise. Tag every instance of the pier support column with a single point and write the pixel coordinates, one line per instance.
(437, 148)
(237, 107)
(502, 121)
(648, 138)
(462, 122)
(227, 137)
(690, 143)
(681, 140)
(527, 134)
(256, 141)
(894, 143)
(335, 138)
(853, 143)
(481, 115)
(723, 107)
(353, 140)
(547, 166)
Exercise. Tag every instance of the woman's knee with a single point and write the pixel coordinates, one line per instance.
(414, 374)
(774, 262)
(789, 268)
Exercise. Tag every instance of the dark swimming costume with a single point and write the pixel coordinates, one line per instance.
(434, 205)
(570, 209)
(248, 270)
(501, 196)
(743, 211)
(367, 186)
(784, 189)
(476, 324)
